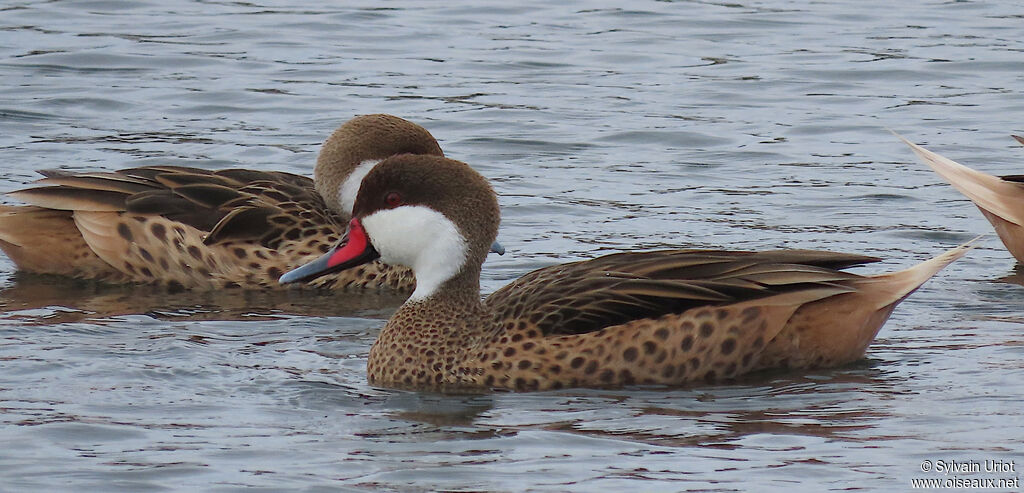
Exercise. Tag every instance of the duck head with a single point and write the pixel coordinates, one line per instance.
(357, 146)
(434, 215)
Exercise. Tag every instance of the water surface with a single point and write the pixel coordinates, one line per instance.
(603, 127)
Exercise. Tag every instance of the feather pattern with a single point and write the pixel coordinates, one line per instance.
(586, 296)
(206, 229)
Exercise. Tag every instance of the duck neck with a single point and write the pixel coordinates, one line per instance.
(422, 343)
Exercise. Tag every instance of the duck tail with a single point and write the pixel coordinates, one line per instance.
(991, 193)
(891, 288)
(46, 241)
(837, 330)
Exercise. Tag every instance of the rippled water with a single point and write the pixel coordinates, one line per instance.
(604, 127)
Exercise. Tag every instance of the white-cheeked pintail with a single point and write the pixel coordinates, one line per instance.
(660, 317)
(200, 229)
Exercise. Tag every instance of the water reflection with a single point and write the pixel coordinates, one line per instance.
(1016, 276)
(45, 300)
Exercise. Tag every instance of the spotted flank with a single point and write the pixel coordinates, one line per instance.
(666, 317)
(191, 228)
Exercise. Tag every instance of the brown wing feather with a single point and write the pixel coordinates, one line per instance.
(590, 295)
(71, 199)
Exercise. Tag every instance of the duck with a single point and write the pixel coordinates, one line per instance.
(1000, 198)
(664, 317)
(192, 228)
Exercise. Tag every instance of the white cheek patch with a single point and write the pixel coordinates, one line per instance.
(350, 187)
(420, 238)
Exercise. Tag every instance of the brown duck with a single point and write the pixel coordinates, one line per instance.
(194, 228)
(1001, 199)
(662, 317)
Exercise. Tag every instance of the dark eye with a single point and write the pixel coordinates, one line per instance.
(393, 199)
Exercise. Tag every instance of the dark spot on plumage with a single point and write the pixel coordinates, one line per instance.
(577, 362)
(195, 252)
(124, 231)
(694, 363)
(668, 371)
(758, 342)
(627, 377)
(746, 359)
(556, 369)
(293, 234)
(661, 333)
(556, 385)
(524, 364)
(146, 272)
(650, 347)
(510, 352)
(164, 264)
(489, 380)
(591, 367)
(175, 287)
(706, 329)
(159, 231)
(520, 383)
(687, 343)
(324, 248)
(232, 285)
(630, 354)
(129, 267)
(203, 271)
(240, 253)
(607, 376)
(749, 314)
(661, 357)
(145, 254)
(528, 346)
(274, 272)
(260, 255)
(517, 337)
(728, 346)
(710, 376)
(731, 370)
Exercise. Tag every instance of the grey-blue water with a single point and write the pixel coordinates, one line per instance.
(604, 126)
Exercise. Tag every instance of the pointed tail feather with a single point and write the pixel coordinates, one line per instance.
(892, 287)
(991, 193)
(837, 330)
